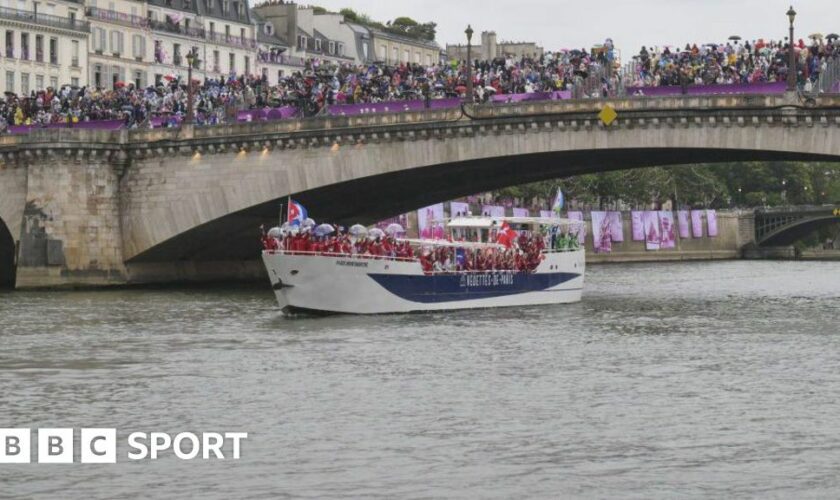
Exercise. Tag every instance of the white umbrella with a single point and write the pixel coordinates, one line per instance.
(376, 233)
(324, 229)
(357, 230)
(394, 229)
(309, 222)
(274, 232)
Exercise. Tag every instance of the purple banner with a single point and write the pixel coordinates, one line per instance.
(616, 226)
(430, 222)
(740, 88)
(668, 234)
(493, 210)
(711, 222)
(650, 223)
(601, 232)
(402, 220)
(697, 223)
(391, 107)
(682, 220)
(578, 229)
(458, 209)
(265, 114)
(636, 226)
(548, 214)
(533, 96)
(520, 212)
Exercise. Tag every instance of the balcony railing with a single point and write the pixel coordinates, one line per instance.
(170, 27)
(117, 17)
(44, 19)
(248, 43)
(269, 58)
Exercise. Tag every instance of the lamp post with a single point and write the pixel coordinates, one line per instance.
(469, 32)
(791, 81)
(190, 61)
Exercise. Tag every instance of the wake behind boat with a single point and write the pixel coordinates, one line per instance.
(483, 262)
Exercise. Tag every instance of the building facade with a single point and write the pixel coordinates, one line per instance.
(397, 49)
(490, 48)
(275, 59)
(46, 45)
(220, 32)
(119, 42)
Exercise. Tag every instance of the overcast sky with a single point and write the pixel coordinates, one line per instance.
(557, 24)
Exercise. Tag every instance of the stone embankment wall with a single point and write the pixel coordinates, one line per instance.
(735, 230)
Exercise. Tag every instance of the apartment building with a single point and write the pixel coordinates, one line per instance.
(45, 44)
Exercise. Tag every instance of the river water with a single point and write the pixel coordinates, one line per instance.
(696, 380)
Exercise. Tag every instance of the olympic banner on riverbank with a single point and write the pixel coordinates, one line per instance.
(711, 223)
(616, 227)
(650, 223)
(682, 220)
(549, 214)
(520, 212)
(493, 210)
(667, 233)
(637, 226)
(578, 230)
(458, 209)
(697, 223)
(430, 222)
(601, 232)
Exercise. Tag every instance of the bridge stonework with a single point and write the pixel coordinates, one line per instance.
(177, 204)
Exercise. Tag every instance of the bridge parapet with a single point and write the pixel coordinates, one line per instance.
(684, 111)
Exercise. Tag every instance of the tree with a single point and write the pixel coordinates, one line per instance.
(349, 14)
(403, 23)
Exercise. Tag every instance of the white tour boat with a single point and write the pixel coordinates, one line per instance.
(464, 276)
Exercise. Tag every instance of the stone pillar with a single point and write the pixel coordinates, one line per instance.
(71, 226)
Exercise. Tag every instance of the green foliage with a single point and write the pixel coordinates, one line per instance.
(718, 185)
(319, 10)
(402, 25)
(349, 14)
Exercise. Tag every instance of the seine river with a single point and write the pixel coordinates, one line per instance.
(668, 380)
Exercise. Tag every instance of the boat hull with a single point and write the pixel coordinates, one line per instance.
(363, 285)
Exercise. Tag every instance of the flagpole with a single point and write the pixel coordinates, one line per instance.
(288, 207)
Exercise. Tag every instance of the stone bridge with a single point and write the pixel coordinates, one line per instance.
(87, 207)
(784, 226)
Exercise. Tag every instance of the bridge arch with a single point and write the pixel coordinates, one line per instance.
(7, 258)
(795, 231)
(207, 201)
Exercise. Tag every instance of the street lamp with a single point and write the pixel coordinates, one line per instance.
(191, 58)
(791, 83)
(469, 32)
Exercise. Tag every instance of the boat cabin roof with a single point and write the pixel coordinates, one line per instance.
(452, 244)
(482, 222)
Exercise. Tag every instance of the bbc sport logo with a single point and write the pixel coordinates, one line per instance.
(99, 445)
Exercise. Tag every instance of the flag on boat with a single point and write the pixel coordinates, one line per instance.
(558, 201)
(506, 236)
(297, 213)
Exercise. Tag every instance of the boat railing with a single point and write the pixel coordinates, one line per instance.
(343, 255)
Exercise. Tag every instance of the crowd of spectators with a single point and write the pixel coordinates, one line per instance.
(320, 85)
(732, 62)
(308, 91)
